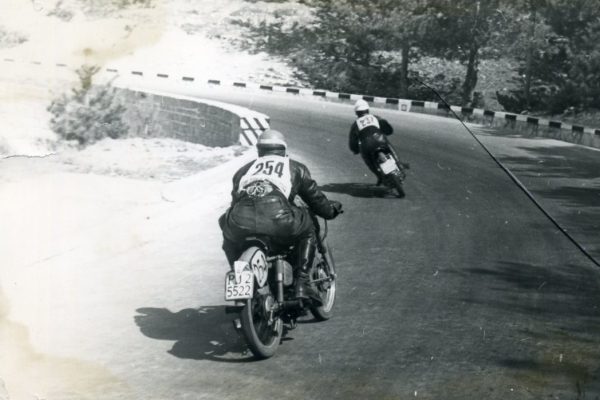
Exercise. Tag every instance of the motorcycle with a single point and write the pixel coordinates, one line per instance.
(390, 169)
(261, 284)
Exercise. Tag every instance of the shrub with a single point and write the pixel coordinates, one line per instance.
(127, 3)
(59, 11)
(11, 39)
(89, 113)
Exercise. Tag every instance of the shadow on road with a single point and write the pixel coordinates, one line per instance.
(563, 290)
(357, 189)
(565, 180)
(558, 309)
(575, 197)
(555, 162)
(206, 333)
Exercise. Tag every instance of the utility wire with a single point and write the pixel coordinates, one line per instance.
(512, 176)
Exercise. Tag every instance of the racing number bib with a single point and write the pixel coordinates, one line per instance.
(366, 121)
(275, 169)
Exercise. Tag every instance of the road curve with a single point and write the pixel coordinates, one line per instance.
(461, 290)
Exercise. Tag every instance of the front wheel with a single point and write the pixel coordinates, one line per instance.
(261, 328)
(324, 275)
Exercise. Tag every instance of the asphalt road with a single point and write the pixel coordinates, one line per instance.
(461, 290)
(565, 179)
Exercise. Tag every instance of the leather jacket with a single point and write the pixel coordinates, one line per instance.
(302, 185)
(357, 136)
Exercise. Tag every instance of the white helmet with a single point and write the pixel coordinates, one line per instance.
(361, 105)
(271, 139)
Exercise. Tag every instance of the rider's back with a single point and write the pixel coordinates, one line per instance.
(368, 132)
(279, 176)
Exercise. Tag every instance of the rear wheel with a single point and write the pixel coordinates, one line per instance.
(262, 329)
(396, 180)
(324, 274)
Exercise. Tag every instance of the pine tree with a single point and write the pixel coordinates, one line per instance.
(89, 113)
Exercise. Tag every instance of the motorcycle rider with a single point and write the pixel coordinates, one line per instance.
(262, 204)
(368, 134)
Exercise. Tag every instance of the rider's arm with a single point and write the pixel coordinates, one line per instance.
(353, 139)
(309, 191)
(236, 181)
(385, 127)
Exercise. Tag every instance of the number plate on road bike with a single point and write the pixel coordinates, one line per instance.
(241, 289)
(388, 166)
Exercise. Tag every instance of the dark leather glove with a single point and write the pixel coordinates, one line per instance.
(337, 207)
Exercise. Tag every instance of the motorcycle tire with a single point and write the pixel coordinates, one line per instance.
(396, 180)
(324, 268)
(263, 339)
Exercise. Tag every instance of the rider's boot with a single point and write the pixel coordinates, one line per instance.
(232, 251)
(306, 254)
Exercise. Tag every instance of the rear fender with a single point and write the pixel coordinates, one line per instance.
(254, 259)
(391, 164)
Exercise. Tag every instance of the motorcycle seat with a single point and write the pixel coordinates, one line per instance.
(266, 243)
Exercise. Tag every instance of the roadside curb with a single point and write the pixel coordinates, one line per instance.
(193, 187)
(536, 126)
(252, 128)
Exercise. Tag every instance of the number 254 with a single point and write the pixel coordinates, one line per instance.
(268, 169)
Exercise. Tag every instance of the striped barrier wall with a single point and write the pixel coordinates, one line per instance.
(207, 122)
(251, 129)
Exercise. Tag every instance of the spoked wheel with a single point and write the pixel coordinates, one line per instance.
(324, 275)
(262, 329)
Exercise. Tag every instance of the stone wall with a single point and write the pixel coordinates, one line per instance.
(158, 115)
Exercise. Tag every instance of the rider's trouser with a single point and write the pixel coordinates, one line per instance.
(272, 216)
(370, 162)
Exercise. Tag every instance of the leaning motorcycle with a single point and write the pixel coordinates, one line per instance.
(261, 284)
(390, 169)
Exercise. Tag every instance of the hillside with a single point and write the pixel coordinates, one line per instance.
(177, 35)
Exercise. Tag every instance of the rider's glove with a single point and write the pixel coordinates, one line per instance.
(337, 208)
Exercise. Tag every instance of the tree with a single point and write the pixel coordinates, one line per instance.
(465, 28)
(577, 26)
(89, 113)
(526, 42)
(558, 58)
(349, 39)
(533, 43)
(406, 26)
(351, 46)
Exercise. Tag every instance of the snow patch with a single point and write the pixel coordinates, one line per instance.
(24, 128)
(179, 37)
(159, 159)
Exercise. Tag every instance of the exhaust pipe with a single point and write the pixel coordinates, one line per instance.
(292, 304)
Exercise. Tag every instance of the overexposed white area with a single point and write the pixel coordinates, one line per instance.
(80, 253)
(90, 235)
(163, 159)
(175, 37)
(24, 126)
(183, 36)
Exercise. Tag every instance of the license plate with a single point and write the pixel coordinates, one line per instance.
(241, 289)
(388, 166)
